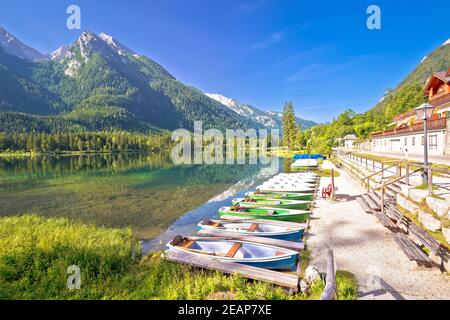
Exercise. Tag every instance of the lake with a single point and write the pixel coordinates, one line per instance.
(143, 191)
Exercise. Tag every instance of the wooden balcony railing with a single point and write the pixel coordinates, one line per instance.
(439, 99)
(418, 127)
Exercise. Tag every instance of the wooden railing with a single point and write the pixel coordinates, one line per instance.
(417, 127)
(440, 99)
(411, 167)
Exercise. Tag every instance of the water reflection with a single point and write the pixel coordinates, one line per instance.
(143, 191)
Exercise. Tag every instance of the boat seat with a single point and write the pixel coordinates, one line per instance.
(253, 227)
(187, 244)
(279, 253)
(233, 250)
(214, 224)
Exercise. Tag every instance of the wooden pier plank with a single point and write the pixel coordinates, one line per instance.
(275, 277)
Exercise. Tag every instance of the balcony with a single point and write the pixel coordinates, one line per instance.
(437, 124)
(440, 99)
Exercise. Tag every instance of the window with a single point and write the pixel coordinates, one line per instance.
(432, 142)
(413, 141)
(406, 141)
(423, 141)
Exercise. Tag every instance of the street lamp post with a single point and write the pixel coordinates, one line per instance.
(424, 112)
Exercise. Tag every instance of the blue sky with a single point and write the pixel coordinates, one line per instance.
(318, 54)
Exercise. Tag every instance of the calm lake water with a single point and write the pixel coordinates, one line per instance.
(146, 192)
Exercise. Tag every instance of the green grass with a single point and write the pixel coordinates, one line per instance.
(327, 173)
(35, 253)
(347, 285)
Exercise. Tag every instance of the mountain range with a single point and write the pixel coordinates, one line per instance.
(270, 119)
(97, 83)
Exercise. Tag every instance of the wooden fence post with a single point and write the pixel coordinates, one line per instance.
(373, 166)
(382, 170)
(430, 181)
(382, 200)
(329, 293)
(407, 173)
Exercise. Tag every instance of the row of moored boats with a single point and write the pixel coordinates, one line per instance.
(278, 210)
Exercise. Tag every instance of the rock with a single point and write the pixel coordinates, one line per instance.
(407, 205)
(418, 195)
(446, 233)
(405, 189)
(440, 207)
(428, 221)
(311, 274)
(304, 287)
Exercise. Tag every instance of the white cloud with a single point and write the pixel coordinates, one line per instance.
(272, 39)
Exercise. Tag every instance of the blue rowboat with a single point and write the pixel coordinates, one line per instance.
(243, 252)
(266, 229)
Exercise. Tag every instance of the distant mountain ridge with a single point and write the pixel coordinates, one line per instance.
(270, 119)
(15, 47)
(97, 83)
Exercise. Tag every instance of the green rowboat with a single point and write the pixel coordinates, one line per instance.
(264, 213)
(273, 203)
(280, 195)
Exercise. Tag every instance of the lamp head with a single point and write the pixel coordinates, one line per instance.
(424, 111)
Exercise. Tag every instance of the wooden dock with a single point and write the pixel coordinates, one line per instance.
(285, 280)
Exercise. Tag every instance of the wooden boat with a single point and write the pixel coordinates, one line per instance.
(280, 195)
(265, 213)
(285, 188)
(248, 253)
(304, 164)
(273, 203)
(292, 181)
(252, 229)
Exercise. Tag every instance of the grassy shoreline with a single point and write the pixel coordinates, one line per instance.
(35, 253)
(74, 153)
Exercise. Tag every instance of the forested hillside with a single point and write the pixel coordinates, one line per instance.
(99, 84)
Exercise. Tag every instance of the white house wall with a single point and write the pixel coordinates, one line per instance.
(396, 144)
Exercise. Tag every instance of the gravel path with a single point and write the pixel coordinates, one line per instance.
(364, 247)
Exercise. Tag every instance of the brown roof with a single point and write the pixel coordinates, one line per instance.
(405, 115)
(441, 75)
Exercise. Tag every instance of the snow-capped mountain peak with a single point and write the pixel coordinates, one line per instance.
(89, 43)
(270, 119)
(446, 42)
(223, 100)
(60, 53)
(13, 46)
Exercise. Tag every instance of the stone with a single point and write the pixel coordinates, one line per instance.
(440, 207)
(407, 205)
(304, 287)
(428, 221)
(311, 274)
(418, 195)
(446, 233)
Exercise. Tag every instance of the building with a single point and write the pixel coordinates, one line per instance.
(407, 135)
(348, 141)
